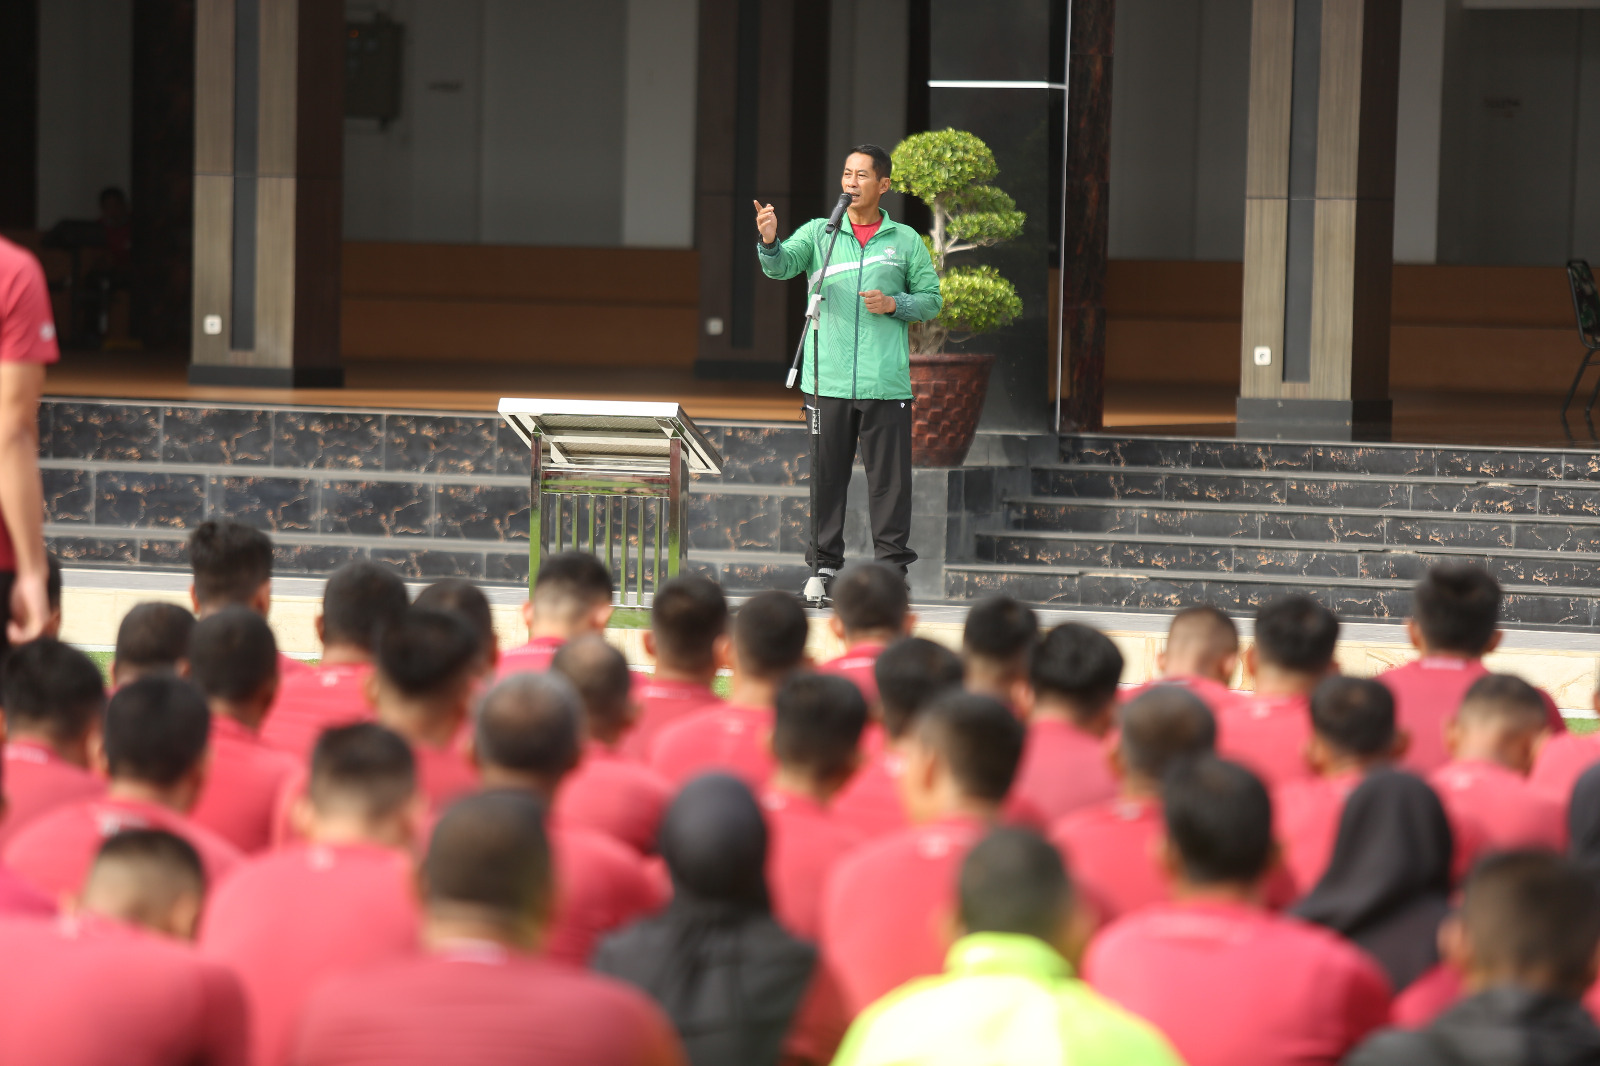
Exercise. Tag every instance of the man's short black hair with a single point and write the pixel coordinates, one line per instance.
(1161, 727)
(232, 654)
(1219, 820)
(425, 654)
(490, 850)
(154, 636)
(1079, 665)
(570, 584)
(769, 634)
(817, 726)
(911, 672)
(157, 729)
(869, 596)
(1534, 914)
(163, 862)
(882, 163)
(51, 688)
(687, 616)
(531, 724)
(1354, 715)
(600, 674)
(461, 597)
(359, 599)
(230, 560)
(1014, 882)
(1000, 628)
(1506, 701)
(1457, 608)
(364, 768)
(978, 738)
(1297, 633)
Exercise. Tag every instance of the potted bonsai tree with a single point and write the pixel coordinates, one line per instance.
(950, 170)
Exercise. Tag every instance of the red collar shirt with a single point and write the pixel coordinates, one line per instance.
(601, 886)
(18, 899)
(857, 665)
(1063, 769)
(870, 804)
(661, 703)
(1269, 734)
(244, 787)
(805, 843)
(1562, 760)
(732, 739)
(444, 775)
(27, 332)
(314, 700)
(1306, 814)
(533, 657)
(1501, 806)
(1113, 850)
(1211, 693)
(1427, 692)
(614, 795)
(36, 781)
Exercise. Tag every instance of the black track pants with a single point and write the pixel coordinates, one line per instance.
(883, 428)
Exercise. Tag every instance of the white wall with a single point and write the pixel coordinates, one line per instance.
(85, 115)
(658, 147)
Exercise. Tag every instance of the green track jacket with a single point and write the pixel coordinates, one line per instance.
(863, 356)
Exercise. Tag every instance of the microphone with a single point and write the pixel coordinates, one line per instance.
(838, 213)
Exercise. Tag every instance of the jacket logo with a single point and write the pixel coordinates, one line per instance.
(889, 252)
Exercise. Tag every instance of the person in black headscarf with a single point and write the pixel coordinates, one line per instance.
(1583, 822)
(1387, 886)
(730, 978)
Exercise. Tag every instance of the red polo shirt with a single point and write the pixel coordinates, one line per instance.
(731, 738)
(288, 666)
(38, 780)
(1211, 693)
(888, 907)
(531, 658)
(1112, 850)
(1231, 984)
(1306, 815)
(661, 703)
(870, 804)
(857, 665)
(475, 1004)
(805, 842)
(444, 775)
(1427, 997)
(314, 700)
(1269, 734)
(601, 886)
(27, 332)
(286, 921)
(1501, 806)
(1426, 693)
(89, 992)
(1562, 760)
(614, 795)
(244, 787)
(1063, 769)
(18, 899)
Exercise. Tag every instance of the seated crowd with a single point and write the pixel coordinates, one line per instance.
(422, 849)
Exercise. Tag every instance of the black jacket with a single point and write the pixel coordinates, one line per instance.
(1504, 1026)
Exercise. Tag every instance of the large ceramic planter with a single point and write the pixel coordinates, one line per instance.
(948, 388)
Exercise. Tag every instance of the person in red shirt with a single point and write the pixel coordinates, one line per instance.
(871, 609)
(1114, 848)
(54, 701)
(1225, 980)
(466, 600)
(156, 745)
(528, 735)
(997, 642)
(688, 641)
(769, 643)
(232, 566)
(27, 345)
(1269, 729)
(358, 601)
(423, 687)
(1492, 741)
(909, 674)
(1563, 759)
(288, 920)
(888, 904)
(816, 741)
(152, 640)
(571, 597)
(1072, 702)
(479, 994)
(608, 792)
(1201, 654)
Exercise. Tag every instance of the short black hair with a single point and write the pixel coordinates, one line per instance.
(910, 672)
(882, 163)
(1297, 633)
(769, 634)
(1219, 820)
(1354, 715)
(52, 582)
(364, 768)
(490, 850)
(1507, 701)
(870, 596)
(465, 599)
(1534, 913)
(232, 654)
(600, 674)
(1000, 628)
(532, 724)
(1161, 727)
(157, 729)
(154, 636)
(1457, 608)
(425, 653)
(360, 598)
(161, 860)
(1014, 882)
(978, 738)
(230, 561)
(687, 616)
(570, 584)
(817, 725)
(1205, 626)
(52, 688)
(1079, 665)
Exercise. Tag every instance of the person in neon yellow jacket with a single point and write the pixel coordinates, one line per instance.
(1008, 994)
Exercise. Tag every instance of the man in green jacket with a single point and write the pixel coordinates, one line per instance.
(1008, 994)
(879, 281)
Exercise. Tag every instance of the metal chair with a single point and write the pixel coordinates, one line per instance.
(1586, 305)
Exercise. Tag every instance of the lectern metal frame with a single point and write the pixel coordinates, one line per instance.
(623, 459)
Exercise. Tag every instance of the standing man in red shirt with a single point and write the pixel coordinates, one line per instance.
(232, 565)
(1225, 980)
(571, 597)
(54, 700)
(688, 639)
(1201, 654)
(1072, 703)
(343, 900)
(997, 644)
(426, 679)
(27, 346)
(871, 609)
(479, 995)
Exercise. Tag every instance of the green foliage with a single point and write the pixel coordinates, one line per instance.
(978, 300)
(937, 163)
